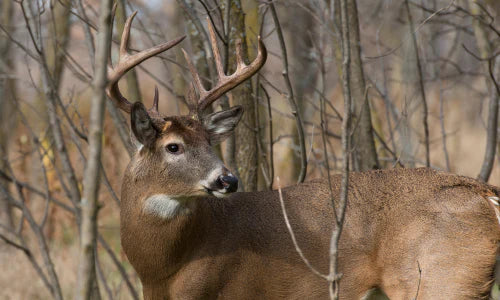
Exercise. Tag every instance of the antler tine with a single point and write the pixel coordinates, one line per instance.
(127, 62)
(215, 49)
(155, 100)
(194, 74)
(126, 35)
(192, 100)
(228, 82)
(240, 63)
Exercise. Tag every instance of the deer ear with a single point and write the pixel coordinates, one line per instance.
(142, 125)
(221, 124)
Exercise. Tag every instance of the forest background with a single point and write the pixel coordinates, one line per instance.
(424, 88)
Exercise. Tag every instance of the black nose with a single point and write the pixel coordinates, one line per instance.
(228, 182)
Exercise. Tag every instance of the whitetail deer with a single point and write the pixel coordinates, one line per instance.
(189, 236)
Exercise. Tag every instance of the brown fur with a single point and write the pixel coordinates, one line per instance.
(239, 247)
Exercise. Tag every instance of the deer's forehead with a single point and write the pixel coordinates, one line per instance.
(180, 130)
(171, 138)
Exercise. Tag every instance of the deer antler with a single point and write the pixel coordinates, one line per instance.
(225, 82)
(127, 61)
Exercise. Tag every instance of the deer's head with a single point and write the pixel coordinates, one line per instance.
(176, 152)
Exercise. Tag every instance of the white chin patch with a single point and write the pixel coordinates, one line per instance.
(164, 206)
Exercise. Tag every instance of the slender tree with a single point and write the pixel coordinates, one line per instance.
(55, 46)
(133, 91)
(87, 280)
(246, 138)
(7, 120)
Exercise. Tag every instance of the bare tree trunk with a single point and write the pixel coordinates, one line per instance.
(421, 87)
(176, 72)
(86, 269)
(55, 46)
(230, 148)
(246, 138)
(364, 154)
(253, 26)
(133, 91)
(7, 121)
(45, 104)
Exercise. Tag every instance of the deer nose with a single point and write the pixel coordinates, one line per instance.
(228, 182)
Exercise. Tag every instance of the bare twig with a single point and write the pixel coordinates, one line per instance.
(292, 235)
(51, 280)
(119, 266)
(438, 12)
(221, 37)
(16, 245)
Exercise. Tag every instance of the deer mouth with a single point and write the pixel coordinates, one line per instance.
(217, 193)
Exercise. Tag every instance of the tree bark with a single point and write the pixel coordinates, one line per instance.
(55, 46)
(133, 90)
(364, 154)
(246, 138)
(86, 269)
(421, 87)
(7, 121)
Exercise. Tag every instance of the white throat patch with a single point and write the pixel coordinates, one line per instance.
(164, 206)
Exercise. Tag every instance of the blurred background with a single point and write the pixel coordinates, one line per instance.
(425, 91)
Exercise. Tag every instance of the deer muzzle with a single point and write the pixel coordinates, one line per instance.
(228, 182)
(220, 183)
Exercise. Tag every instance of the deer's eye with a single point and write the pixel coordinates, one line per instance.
(174, 148)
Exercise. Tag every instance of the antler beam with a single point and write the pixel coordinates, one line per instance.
(127, 61)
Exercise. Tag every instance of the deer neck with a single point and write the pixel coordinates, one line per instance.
(159, 234)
